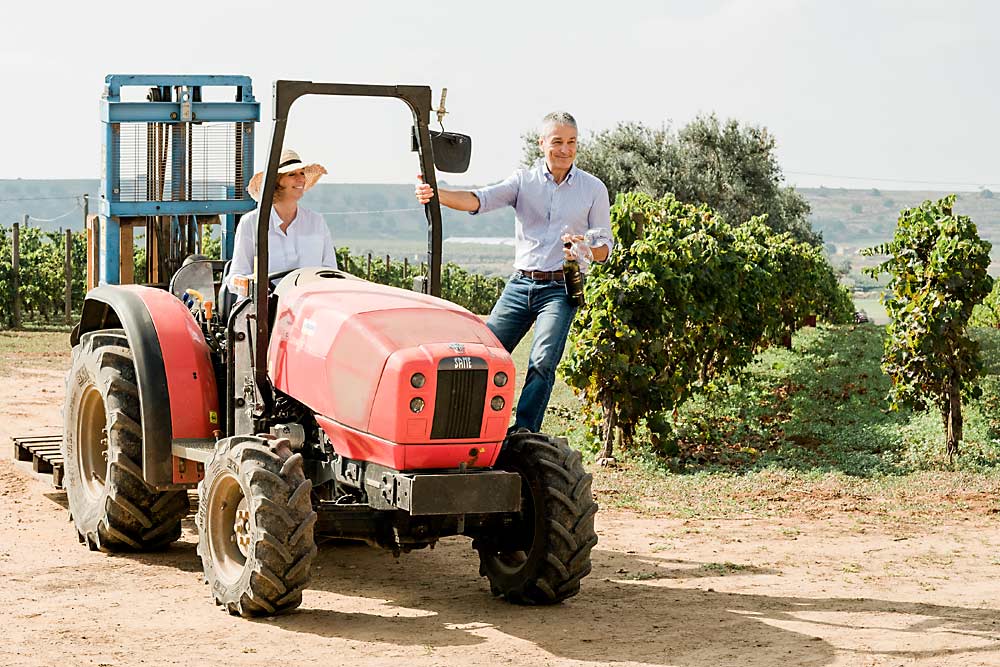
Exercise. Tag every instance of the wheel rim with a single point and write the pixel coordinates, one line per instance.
(228, 528)
(510, 561)
(92, 444)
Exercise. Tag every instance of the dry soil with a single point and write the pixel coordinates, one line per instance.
(844, 589)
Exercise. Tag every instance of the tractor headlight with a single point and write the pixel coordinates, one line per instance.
(497, 403)
(500, 379)
(417, 404)
(417, 380)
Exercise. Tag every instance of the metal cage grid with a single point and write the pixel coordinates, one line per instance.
(175, 154)
(213, 170)
(170, 162)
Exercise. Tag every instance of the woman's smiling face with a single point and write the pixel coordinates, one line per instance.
(292, 185)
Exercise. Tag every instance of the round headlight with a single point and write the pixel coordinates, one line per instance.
(497, 403)
(500, 379)
(417, 380)
(417, 404)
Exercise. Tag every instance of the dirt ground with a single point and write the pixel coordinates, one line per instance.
(839, 590)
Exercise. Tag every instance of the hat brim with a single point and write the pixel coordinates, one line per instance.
(313, 171)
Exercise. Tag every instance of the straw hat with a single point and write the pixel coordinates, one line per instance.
(289, 162)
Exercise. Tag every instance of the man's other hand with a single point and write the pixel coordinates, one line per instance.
(576, 241)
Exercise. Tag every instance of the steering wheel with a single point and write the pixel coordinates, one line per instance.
(274, 278)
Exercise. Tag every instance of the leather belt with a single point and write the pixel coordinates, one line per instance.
(541, 275)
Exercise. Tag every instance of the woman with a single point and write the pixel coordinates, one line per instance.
(296, 237)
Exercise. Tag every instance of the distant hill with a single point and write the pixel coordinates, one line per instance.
(853, 219)
(45, 199)
(848, 219)
(354, 211)
(860, 216)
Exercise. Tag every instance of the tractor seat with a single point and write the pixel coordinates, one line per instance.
(226, 298)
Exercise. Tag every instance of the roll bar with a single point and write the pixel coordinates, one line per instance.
(418, 99)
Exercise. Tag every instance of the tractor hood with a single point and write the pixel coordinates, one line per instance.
(332, 339)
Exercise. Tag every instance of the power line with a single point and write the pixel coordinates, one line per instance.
(881, 179)
(77, 197)
(889, 180)
(388, 210)
(58, 217)
(40, 198)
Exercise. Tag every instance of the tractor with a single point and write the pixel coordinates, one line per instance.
(309, 404)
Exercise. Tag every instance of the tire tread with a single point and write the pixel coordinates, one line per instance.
(283, 545)
(132, 515)
(560, 557)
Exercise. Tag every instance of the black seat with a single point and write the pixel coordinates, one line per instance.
(226, 298)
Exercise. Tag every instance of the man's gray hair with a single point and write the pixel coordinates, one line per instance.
(556, 118)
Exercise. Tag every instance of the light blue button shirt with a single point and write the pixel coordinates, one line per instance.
(545, 210)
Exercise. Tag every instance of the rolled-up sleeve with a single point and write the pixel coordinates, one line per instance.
(499, 194)
(243, 247)
(599, 220)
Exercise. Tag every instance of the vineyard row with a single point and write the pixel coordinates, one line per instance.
(41, 282)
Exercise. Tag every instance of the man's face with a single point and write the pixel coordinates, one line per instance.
(558, 145)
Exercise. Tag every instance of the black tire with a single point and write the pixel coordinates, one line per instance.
(541, 557)
(111, 505)
(255, 526)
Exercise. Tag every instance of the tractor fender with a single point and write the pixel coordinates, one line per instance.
(178, 401)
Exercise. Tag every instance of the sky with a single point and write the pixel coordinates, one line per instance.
(891, 94)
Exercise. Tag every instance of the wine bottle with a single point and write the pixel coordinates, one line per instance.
(573, 278)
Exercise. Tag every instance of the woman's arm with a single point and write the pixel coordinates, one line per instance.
(243, 248)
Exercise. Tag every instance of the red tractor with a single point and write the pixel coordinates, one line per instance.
(322, 404)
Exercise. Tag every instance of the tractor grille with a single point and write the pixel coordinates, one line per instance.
(460, 398)
(214, 170)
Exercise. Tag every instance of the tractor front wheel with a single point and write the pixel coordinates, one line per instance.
(255, 526)
(111, 504)
(542, 554)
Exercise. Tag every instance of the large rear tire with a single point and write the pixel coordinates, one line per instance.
(255, 526)
(542, 555)
(112, 506)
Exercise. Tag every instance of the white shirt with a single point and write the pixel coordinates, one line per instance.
(305, 242)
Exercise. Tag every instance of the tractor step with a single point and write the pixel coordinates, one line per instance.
(45, 454)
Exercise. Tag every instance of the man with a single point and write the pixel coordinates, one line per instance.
(554, 202)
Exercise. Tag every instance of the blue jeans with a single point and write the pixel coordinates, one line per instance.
(543, 303)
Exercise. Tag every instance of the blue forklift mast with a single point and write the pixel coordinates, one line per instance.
(173, 163)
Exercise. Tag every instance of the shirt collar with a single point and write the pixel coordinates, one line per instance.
(275, 222)
(544, 167)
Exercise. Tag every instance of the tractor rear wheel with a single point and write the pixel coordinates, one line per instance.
(543, 554)
(255, 526)
(111, 504)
